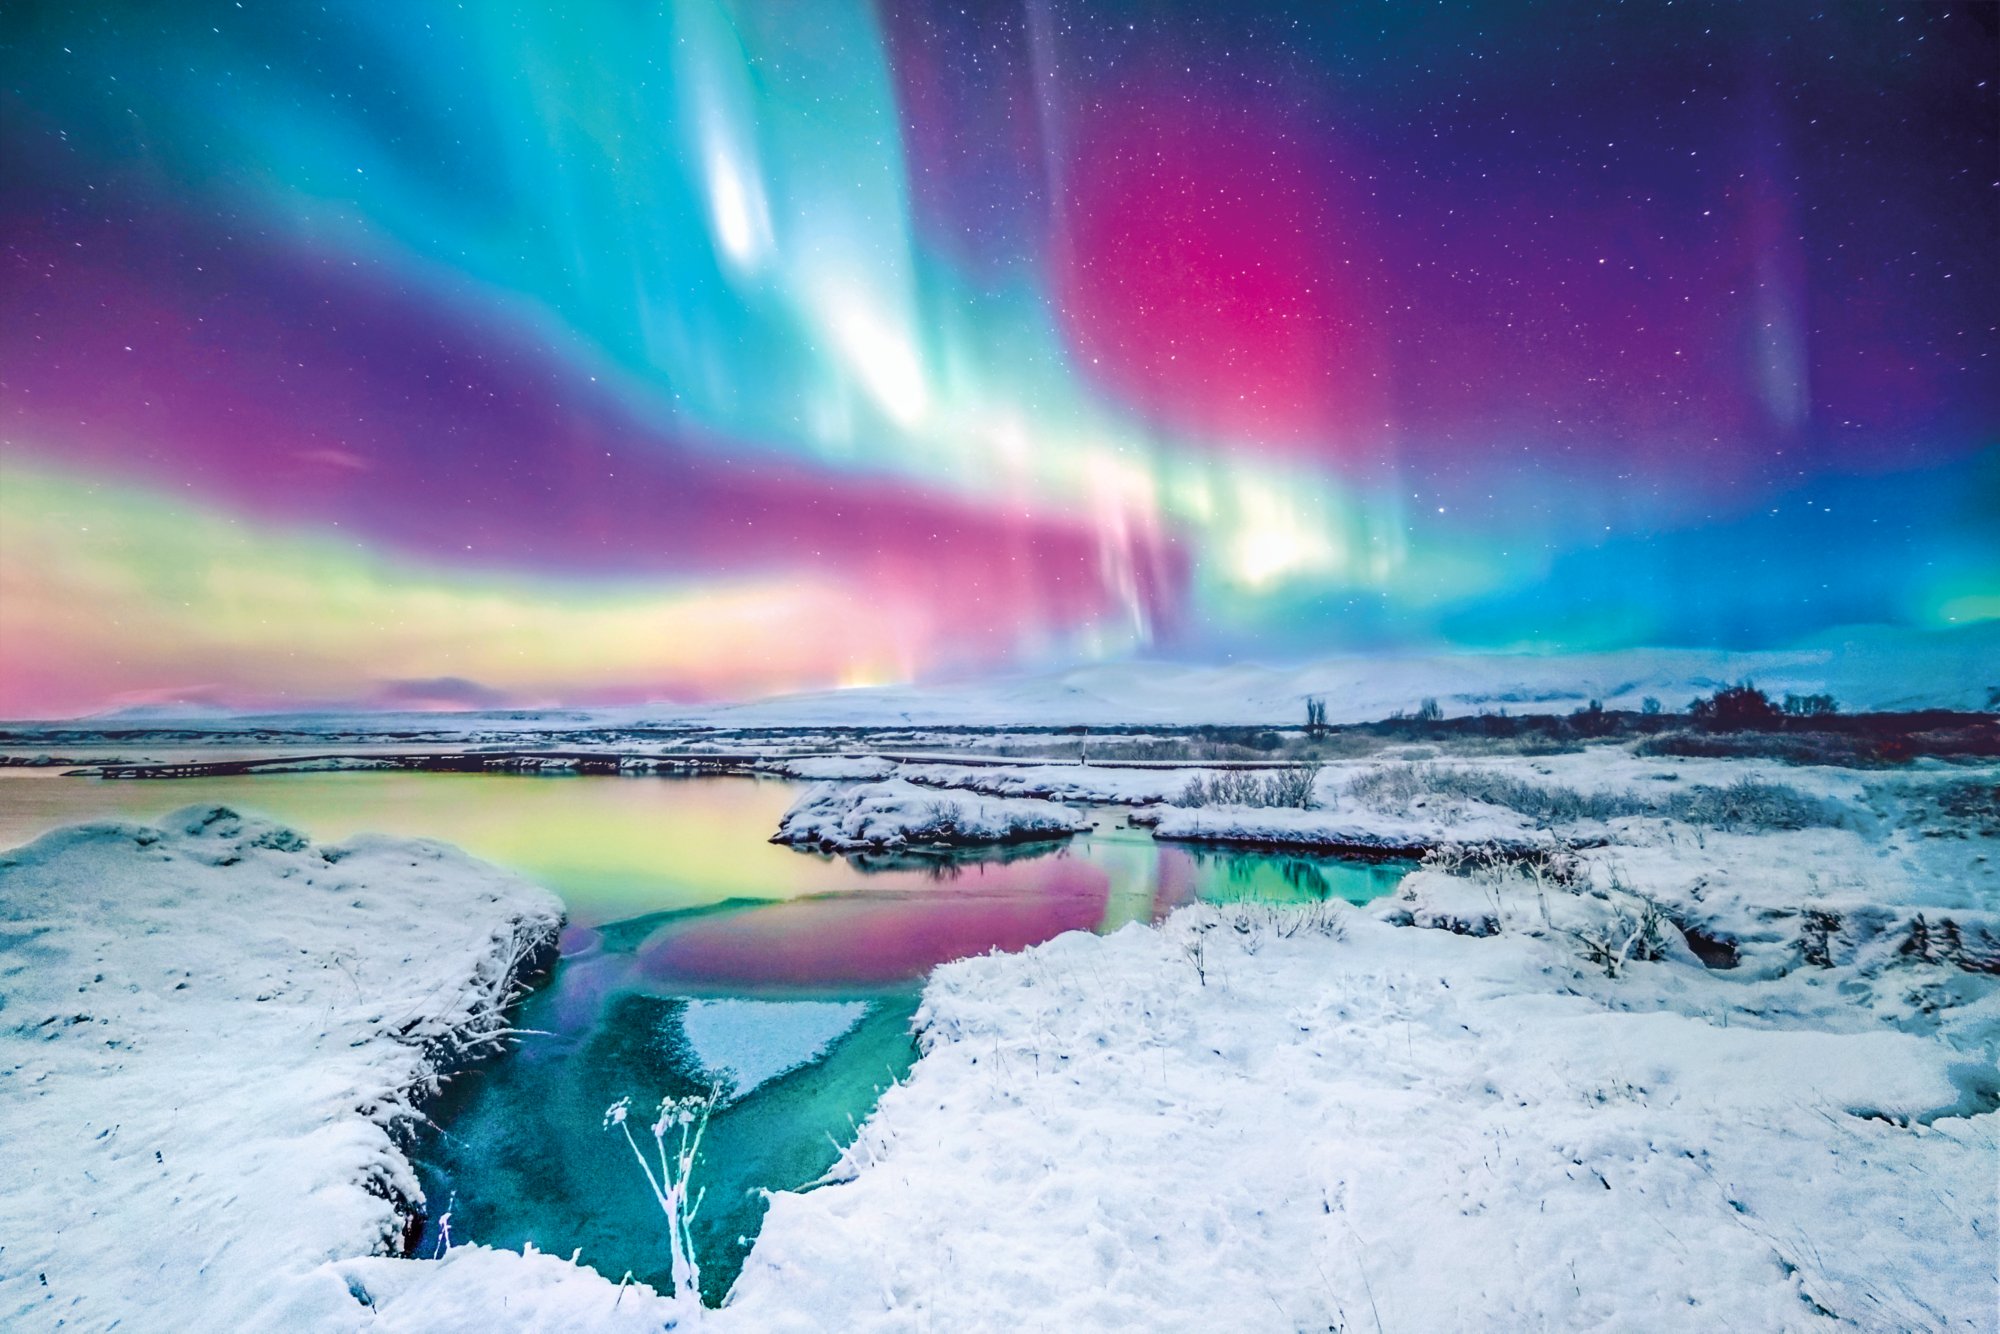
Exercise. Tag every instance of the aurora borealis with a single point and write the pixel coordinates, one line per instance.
(602, 352)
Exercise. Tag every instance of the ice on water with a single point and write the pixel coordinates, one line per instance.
(755, 1041)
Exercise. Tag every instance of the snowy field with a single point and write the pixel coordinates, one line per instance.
(1511, 1096)
(1650, 1042)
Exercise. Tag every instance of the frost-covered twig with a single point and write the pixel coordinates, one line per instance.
(689, 1116)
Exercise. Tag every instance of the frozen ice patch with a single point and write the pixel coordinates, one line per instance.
(754, 1042)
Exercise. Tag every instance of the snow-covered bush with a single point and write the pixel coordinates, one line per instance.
(1747, 804)
(1556, 863)
(1252, 919)
(1750, 806)
(1249, 924)
(1631, 928)
(1609, 927)
(1395, 788)
(1293, 785)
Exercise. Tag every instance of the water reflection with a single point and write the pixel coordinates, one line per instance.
(521, 1157)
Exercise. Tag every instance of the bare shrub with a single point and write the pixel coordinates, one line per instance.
(1556, 864)
(1293, 785)
(1746, 804)
(1635, 930)
(1252, 919)
(1750, 806)
(1392, 787)
(686, 1119)
(1609, 927)
(1195, 947)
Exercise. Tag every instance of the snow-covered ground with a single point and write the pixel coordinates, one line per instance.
(1348, 832)
(1388, 1128)
(897, 814)
(1256, 1118)
(1722, 1054)
(1055, 782)
(210, 1029)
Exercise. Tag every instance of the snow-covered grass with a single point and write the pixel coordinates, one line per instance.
(898, 814)
(1743, 803)
(214, 1033)
(684, 1121)
(1401, 1129)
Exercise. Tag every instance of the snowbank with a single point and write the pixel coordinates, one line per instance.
(481, 1290)
(1057, 782)
(1249, 1120)
(826, 768)
(1346, 832)
(896, 814)
(212, 1028)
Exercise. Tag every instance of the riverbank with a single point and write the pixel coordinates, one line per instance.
(216, 1033)
(1733, 1072)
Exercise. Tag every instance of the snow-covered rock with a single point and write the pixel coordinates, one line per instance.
(212, 1029)
(897, 814)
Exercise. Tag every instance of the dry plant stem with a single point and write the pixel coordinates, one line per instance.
(671, 1182)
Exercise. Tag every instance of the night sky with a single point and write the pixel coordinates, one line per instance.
(426, 355)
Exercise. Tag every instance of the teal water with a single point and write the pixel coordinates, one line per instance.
(679, 907)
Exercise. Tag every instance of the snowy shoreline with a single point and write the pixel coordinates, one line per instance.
(218, 1036)
(1322, 833)
(1518, 1074)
